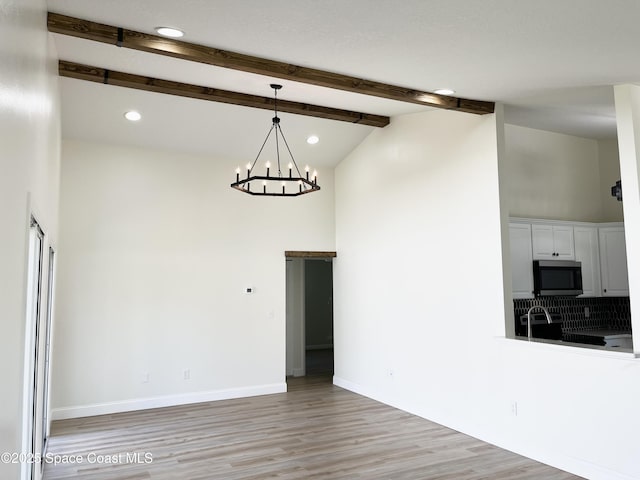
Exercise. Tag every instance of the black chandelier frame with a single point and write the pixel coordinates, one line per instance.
(301, 184)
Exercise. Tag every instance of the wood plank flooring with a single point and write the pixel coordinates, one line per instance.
(314, 431)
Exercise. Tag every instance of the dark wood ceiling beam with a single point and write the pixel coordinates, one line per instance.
(308, 254)
(223, 58)
(149, 84)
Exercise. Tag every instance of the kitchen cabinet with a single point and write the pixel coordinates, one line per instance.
(613, 262)
(521, 260)
(586, 252)
(601, 249)
(552, 242)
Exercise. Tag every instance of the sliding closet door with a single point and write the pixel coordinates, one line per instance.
(46, 370)
(32, 424)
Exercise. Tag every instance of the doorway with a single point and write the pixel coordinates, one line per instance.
(318, 316)
(309, 314)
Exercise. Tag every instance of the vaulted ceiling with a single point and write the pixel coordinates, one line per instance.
(552, 63)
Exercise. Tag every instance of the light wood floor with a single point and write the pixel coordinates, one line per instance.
(316, 430)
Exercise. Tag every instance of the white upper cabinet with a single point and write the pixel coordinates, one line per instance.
(613, 262)
(586, 250)
(601, 249)
(521, 260)
(552, 242)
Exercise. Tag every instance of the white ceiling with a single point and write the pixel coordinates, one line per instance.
(551, 62)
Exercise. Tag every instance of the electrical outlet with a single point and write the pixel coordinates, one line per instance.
(186, 374)
(144, 377)
(514, 408)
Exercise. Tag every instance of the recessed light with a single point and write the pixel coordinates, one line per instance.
(312, 139)
(445, 91)
(132, 115)
(169, 32)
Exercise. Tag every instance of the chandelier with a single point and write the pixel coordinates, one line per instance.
(290, 184)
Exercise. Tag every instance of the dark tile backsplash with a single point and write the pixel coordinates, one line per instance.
(604, 312)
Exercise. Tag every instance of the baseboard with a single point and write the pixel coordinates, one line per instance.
(577, 466)
(359, 389)
(164, 401)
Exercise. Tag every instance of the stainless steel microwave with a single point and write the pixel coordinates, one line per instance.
(557, 277)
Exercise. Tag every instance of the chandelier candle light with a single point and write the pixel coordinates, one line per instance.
(277, 185)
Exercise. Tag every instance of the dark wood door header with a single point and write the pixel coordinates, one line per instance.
(306, 254)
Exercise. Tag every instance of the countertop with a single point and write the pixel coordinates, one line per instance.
(602, 332)
(581, 346)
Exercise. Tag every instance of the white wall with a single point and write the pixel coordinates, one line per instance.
(419, 305)
(29, 169)
(417, 231)
(555, 176)
(155, 253)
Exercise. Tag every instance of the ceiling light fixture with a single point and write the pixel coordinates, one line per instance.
(312, 139)
(132, 116)
(278, 185)
(445, 91)
(169, 32)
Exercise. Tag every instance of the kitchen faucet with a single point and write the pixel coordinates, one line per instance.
(546, 314)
